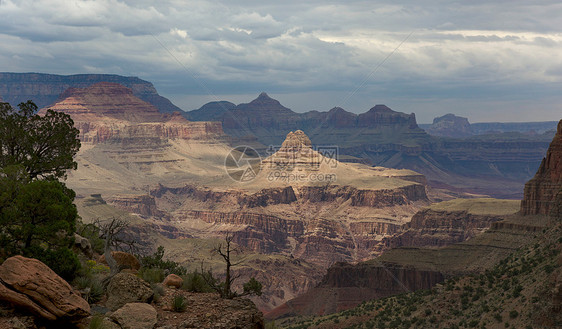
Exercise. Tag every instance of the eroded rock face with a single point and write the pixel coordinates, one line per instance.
(127, 288)
(541, 191)
(31, 285)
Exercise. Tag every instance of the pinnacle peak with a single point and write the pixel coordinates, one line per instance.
(296, 140)
(263, 94)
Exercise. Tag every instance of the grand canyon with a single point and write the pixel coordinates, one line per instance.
(327, 210)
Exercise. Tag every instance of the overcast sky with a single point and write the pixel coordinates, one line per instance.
(486, 60)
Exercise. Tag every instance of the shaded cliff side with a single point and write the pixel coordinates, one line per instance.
(541, 191)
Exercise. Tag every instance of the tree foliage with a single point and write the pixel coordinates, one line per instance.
(37, 214)
(44, 145)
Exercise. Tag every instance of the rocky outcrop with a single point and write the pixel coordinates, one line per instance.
(45, 89)
(135, 316)
(127, 288)
(541, 191)
(30, 285)
(450, 125)
(110, 112)
(345, 286)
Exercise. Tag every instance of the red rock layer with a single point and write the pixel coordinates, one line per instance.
(541, 191)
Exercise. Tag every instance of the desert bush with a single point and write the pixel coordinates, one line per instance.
(179, 303)
(156, 261)
(152, 275)
(194, 282)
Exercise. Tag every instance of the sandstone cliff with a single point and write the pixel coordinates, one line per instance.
(541, 191)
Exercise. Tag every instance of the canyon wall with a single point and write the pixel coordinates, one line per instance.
(541, 191)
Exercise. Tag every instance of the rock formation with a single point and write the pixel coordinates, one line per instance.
(30, 285)
(127, 288)
(541, 191)
(450, 125)
(107, 111)
(45, 89)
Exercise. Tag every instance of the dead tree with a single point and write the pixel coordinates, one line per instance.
(225, 288)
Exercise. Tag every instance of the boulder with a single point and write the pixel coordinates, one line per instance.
(173, 280)
(84, 245)
(127, 288)
(135, 316)
(123, 259)
(29, 284)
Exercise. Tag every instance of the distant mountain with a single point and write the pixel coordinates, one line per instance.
(269, 121)
(450, 125)
(454, 126)
(45, 89)
(493, 164)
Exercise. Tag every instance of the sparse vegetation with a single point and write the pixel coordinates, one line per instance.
(179, 303)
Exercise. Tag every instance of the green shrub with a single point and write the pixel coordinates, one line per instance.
(194, 282)
(96, 322)
(179, 303)
(156, 261)
(513, 314)
(62, 261)
(152, 275)
(93, 286)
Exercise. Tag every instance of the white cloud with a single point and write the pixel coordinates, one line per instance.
(477, 50)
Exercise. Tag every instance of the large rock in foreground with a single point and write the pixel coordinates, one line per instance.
(127, 288)
(541, 191)
(29, 284)
(135, 316)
